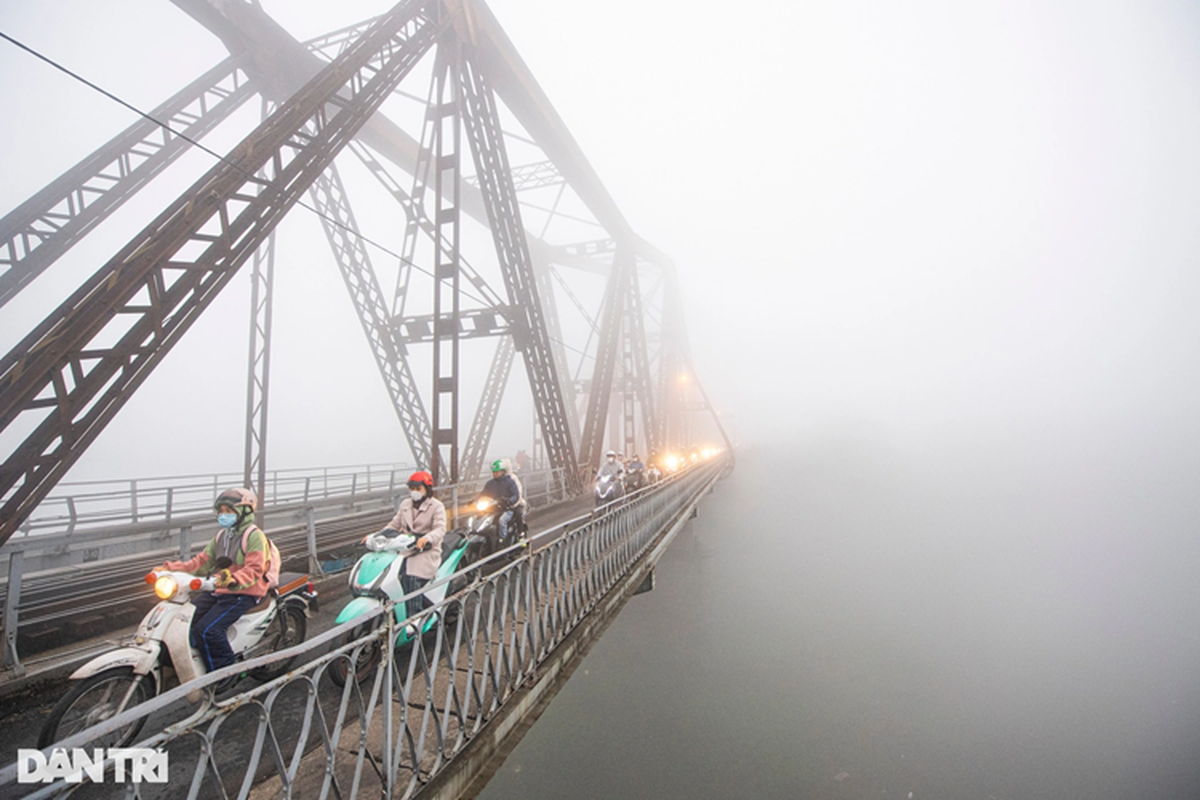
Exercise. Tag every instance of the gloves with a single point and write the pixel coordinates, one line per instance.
(224, 578)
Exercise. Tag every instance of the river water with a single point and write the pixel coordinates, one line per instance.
(845, 620)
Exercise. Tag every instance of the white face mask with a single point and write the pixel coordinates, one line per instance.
(416, 495)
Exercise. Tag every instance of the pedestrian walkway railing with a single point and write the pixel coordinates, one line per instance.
(404, 721)
(77, 563)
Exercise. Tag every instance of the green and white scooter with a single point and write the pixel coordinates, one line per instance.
(375, 579)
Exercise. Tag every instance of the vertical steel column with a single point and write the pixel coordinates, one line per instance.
(636, 320)
(447, 180)
(258, 378)
(629, 446)
(592, 447)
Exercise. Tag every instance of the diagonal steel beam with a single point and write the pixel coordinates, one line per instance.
(591, 447)
(66, 378)
(337, 218)
(475, 450)
(482, 123)
(50, 222)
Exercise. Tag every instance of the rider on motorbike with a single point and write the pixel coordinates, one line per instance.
(424, 516)
(505, 490)
(611, 466)
(240, 585)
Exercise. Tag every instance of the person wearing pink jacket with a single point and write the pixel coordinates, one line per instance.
(241, 575)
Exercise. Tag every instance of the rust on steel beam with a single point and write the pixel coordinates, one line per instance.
(34, 234)
(149, 294)
(482, 123)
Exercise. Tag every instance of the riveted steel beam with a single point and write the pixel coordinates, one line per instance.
(69, 378)
(482, 124)
(48, 224)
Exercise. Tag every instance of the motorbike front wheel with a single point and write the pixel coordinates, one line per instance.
(365, 659)
(95, 699)
(297, 627)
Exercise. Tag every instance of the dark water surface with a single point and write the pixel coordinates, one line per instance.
(844, 621)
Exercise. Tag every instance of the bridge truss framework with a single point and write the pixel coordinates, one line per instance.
(70, 375)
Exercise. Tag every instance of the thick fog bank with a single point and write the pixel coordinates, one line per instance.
(1006, 619)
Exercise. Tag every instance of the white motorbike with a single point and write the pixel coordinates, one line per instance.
(609, 488)
(138, 670)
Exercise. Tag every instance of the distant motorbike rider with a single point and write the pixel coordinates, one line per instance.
(612, 466)
(424, 516)
(240, 586)
(505, 489)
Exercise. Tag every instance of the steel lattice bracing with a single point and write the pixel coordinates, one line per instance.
(46, 225)
(500, 198)
(157, 285)
(73, 372)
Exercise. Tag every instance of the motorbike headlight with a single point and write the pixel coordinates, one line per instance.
(165, 587)
(483, 504)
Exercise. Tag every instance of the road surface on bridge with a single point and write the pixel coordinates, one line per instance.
(25, 710)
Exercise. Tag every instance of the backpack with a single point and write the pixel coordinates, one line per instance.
(273, 558)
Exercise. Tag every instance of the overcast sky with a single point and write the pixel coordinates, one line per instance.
(919, 219)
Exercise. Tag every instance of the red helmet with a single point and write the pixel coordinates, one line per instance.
(420, 479)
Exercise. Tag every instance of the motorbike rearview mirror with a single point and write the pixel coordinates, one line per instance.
(224, 562)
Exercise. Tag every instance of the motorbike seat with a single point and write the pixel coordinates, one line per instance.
(288, 583)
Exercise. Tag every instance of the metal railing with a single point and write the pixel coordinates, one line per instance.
(401, 726)
(49, 573)
(79, 505)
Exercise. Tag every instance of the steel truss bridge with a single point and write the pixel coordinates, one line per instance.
(499, 209)
(428, 718)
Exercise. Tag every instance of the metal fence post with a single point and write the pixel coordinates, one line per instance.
(185, 542)
(314, 564)
(16, 563)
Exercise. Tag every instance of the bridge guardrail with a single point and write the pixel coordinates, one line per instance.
(424, 704)
(115, 534)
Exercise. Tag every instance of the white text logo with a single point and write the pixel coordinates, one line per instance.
(135, 764)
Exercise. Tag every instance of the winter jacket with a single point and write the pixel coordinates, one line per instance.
(504, 488)
(426, 519)
(249, 570)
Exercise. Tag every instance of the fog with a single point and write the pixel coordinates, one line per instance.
(939, 265)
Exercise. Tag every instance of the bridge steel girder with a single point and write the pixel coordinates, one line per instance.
(447, 168)
(170, 272)
(329, 197)
(591, 448)
(640, 361)
(532, 338)
(258, 372)
(37, 232)
(475, 452)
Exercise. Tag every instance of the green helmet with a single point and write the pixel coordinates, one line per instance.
(499, 465)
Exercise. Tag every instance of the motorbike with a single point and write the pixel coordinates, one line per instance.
(635, 479)
(653, 474)
(375, 579)
(609, 487)
(485, 523)
(139, 669)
